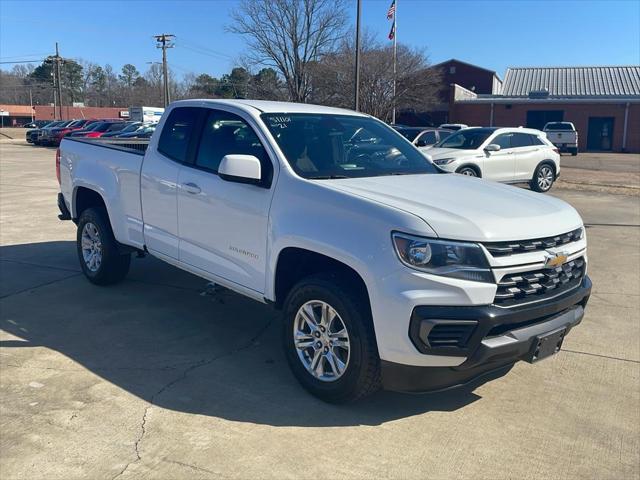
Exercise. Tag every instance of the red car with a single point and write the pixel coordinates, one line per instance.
(99, 128)
(56, 135)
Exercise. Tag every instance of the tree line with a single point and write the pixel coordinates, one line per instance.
(298, 50)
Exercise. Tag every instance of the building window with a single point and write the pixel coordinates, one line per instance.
(452, 70)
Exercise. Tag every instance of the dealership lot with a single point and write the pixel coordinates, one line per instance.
(156, 378)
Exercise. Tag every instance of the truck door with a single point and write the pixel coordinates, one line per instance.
(223, 225)
(500, 166)
(159, 181)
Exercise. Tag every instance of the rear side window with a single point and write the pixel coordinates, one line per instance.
(536, 140)
(177, 131)
(520, 140)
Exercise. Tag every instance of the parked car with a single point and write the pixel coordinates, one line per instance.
(453, 126)
(36, 124)
(43, 134)
(99, 129)
(56, 134)
(423, 136)
(31, 135)
(387, 271)
(128, 128)
(563, 135)
(510, 155)
(144, 132)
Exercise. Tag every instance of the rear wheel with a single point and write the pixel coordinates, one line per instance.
(100, 260)
(574, 152)
(329, 340)
(543, 178)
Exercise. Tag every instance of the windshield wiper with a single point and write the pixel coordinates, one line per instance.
(327, 177)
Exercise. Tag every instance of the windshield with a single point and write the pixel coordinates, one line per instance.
(321, 146)
(466, 139)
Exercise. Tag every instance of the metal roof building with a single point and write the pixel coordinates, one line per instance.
(565, 82)
(603, 102)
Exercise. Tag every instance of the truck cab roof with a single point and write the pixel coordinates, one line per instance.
(265, 106)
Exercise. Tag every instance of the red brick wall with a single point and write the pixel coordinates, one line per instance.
(466, 76)
(68, 113)
(578, 113)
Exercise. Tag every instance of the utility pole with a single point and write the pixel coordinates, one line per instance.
(56, 62)
(357, 92)
(164, 42)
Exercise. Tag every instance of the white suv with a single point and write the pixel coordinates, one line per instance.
(510, 155)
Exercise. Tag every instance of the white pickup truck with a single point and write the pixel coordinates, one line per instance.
(389, 271)
(563, 135)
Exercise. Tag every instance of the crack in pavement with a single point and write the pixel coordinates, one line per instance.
(35, 287)
(204, 362)
(601, 356)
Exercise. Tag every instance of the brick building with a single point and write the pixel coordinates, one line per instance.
(602, 102)
(18, 115)
(472, 77)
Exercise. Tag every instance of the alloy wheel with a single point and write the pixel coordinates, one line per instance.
(545, 178)
(321, 340)
(91, 247)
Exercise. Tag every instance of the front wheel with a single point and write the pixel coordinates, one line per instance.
(543, 178)
(329, 341)
(468, 171)
(100, 260)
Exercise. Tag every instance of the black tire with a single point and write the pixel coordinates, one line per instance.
(361, 377)
(468, 171)
(574, 152)
(542, 172)
(113, 266)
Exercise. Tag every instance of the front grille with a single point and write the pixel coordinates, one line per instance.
(450, 334)
(539, 284)
(498, 249)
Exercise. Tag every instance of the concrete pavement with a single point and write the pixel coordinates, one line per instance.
(153, 378)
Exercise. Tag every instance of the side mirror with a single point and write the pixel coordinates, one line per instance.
(240, 169)
(421, 143)
(492, 147)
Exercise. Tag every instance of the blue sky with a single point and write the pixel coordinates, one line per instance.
(492, 34)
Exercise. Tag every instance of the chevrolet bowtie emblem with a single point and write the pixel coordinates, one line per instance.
(553, 260)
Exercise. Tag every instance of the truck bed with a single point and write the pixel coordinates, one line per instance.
(137, 146)
(112, 168)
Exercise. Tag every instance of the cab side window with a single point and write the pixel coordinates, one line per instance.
(225, 133)
(504, 140)
(177, 131)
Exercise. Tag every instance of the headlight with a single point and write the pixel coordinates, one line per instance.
(443, 161)
(443, 257)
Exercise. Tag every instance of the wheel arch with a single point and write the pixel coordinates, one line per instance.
(295, 263)
(547, 161)
(473, 166)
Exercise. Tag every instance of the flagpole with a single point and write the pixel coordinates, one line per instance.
(395, 51)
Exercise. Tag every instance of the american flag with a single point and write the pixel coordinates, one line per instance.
(392, 10)
(392, 33)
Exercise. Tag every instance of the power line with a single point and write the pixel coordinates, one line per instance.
(22, 61)
(192, 45)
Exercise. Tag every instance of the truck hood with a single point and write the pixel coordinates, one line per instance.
(458, 207)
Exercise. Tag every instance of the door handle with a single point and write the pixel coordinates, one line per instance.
(191, 188)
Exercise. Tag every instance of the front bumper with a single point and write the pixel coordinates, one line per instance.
(501, 337)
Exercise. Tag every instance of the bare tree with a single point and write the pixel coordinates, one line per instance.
(290, 35)
(416, 88)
